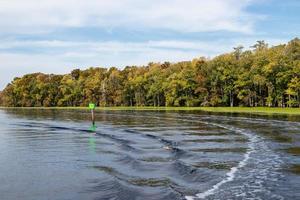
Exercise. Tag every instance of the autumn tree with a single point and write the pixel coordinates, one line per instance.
(261, 76)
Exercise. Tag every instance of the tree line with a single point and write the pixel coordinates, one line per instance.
(261, 76)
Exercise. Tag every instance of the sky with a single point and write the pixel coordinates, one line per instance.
(56, 36)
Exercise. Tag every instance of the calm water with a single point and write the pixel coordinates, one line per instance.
(57, 155)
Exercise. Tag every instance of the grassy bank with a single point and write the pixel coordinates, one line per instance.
(256, 110)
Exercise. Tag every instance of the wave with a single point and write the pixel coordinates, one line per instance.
(262, 173)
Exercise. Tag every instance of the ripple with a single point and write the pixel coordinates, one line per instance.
(221, 150)
(216, 165)
(231, 174)
(152, 155)
(156, 159)
(216, 140)
(265, 168)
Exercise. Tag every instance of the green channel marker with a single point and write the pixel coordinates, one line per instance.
(92, 106)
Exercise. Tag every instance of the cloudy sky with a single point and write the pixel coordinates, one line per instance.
(56, 36)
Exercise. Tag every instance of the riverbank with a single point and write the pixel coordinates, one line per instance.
(254, 110)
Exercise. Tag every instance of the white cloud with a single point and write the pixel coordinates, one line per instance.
(115, 46)
(177, 15)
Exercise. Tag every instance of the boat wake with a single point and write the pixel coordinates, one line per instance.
(251, 177)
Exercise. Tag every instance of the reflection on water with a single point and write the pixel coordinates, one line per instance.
(58, 154)
(93, 128)
(92, 140)
(294, 151)
(92, 143)
(295, 169)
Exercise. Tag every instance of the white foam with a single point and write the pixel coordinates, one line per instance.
(231, 174)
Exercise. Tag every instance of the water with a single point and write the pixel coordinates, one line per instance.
(56, 154)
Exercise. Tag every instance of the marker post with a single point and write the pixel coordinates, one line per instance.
(92, 108)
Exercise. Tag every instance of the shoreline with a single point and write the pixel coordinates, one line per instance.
(247, 110)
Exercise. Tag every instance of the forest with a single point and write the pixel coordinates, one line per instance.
(260, 76)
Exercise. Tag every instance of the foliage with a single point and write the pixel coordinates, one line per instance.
(263, 76)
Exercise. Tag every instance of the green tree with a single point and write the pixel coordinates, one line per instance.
(264, 76)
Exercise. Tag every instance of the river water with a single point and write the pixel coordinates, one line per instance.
(59, 155)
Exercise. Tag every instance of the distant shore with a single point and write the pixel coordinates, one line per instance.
(254, 110)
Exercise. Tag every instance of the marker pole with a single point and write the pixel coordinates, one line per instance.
(92, 108)
(93, 117)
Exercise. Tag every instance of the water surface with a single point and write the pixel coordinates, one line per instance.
(57, 154)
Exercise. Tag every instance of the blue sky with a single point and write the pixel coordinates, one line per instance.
(56, 36)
